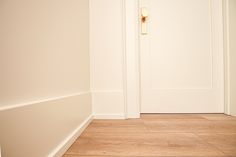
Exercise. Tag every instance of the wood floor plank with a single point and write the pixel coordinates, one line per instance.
(159, 135)
(224, 141)
(117, 126)
(217, 117)
(140, 144)
(192, 126)
(74, 155)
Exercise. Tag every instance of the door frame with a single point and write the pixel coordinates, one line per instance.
(131, 58)
(132, 84)
(225, 5)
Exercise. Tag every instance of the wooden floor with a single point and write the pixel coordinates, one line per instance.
(159, 135)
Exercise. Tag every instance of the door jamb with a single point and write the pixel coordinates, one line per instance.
(225, 5)
(132, 70)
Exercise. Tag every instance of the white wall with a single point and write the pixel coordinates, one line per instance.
(44, 74)
(44, 49)
(107, 50)
(232, 54)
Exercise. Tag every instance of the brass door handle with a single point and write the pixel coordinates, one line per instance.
(144, 19)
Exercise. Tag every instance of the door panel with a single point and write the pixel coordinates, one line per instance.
(181, 57)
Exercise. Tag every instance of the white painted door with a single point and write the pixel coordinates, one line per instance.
(181, 57)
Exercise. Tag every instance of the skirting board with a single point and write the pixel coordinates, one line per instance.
(109, 116)
(64, 145)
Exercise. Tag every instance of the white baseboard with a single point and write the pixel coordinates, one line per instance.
(64, 145)
(109, 116)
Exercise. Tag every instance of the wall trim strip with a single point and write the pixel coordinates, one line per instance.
(109, 116)
(107, 91)
(42, 100)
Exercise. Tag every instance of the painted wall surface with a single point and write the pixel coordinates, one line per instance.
(44, 64)
(232, 54)
(43, 49)
(106, 50)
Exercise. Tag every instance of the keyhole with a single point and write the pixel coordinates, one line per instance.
(143, 19)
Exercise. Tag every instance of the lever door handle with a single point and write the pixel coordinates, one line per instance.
(144, 19)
